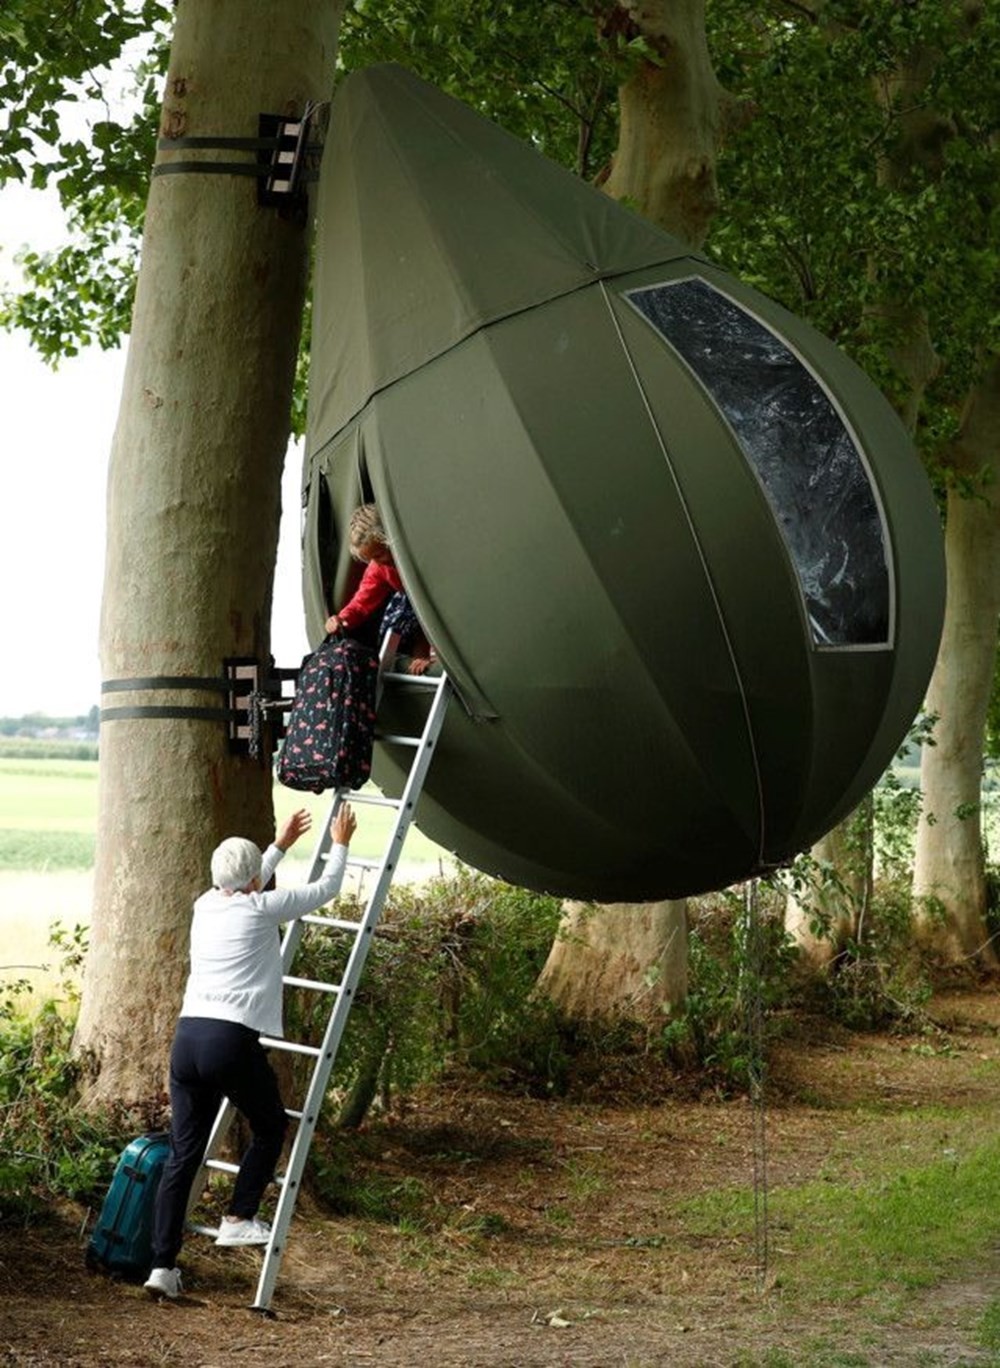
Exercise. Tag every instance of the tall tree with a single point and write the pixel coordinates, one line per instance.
(891, 249)
(193, 511)
(949, 872)
(626, 958)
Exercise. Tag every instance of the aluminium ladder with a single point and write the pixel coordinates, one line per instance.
(342, 993)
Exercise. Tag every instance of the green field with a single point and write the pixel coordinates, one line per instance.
(48, 814)
(48, 818)
(48, 824)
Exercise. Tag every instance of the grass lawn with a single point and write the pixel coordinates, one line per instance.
(48, 821)
(48, 818)
(48, 795)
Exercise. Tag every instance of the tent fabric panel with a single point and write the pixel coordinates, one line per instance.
(850, 689)
(522, 583)
(505, 796)
(752, 577)
(617, 484)
(795, 440)
(453, 223)
(885, 687)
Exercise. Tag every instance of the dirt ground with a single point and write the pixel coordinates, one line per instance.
(552, 1240)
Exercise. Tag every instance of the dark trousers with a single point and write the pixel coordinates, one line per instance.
(211, 1060)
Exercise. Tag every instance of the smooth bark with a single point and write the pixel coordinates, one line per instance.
(949, 875)
(618, 959)
(664, 164)
(193, 515)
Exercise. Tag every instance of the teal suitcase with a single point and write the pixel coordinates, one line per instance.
(122, 1240)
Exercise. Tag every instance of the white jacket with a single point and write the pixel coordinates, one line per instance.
(236, 946)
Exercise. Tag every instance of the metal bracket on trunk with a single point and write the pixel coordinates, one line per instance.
(285, 161)
(253, 699)
(256, 702)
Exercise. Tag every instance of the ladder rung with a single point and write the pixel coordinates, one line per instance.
(292, 1114)
(420, 681)
(273, 1043)
(352, 860)
(373, 799)
(222, 1166)
(358, 862)
(338, 923)
(311, 983)
(392, 739)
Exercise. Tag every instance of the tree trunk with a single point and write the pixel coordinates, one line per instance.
(829, 909)
(949, 874)
(911, 351)
(631, 958)
(664, 164)
(618, 959)
(193, 515)
(949, 879)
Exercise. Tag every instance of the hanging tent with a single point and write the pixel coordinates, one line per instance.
(673, 547)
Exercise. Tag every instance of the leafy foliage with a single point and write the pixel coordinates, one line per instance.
(545, 72)
(448, 981)
(52, 56)
(739, 971)
(543, 69)
(47, 1144)
(904, 208)
(860, 175)
(51, 63)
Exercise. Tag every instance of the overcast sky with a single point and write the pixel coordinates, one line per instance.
(57, 429)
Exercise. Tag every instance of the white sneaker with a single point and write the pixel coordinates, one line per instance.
(164, 1282)
(251, 1232)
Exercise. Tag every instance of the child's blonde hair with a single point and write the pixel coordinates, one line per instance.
(365, 526)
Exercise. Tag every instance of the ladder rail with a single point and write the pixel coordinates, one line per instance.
(291, 937)
(307, 1117)
(345, 997)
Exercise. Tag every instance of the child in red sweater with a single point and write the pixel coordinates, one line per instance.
(380, 581)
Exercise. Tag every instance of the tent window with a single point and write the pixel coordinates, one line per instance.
(812, 472)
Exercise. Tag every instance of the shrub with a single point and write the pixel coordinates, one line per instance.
(448, 981)
(48, 1144)
(879, 978)
(739, 962)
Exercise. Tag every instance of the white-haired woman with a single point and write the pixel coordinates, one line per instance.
(233, 997)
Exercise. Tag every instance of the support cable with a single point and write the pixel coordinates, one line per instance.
(752, 961)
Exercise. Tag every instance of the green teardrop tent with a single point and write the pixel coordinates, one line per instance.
(672, 545)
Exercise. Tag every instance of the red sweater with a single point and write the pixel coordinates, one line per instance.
(378, 583)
